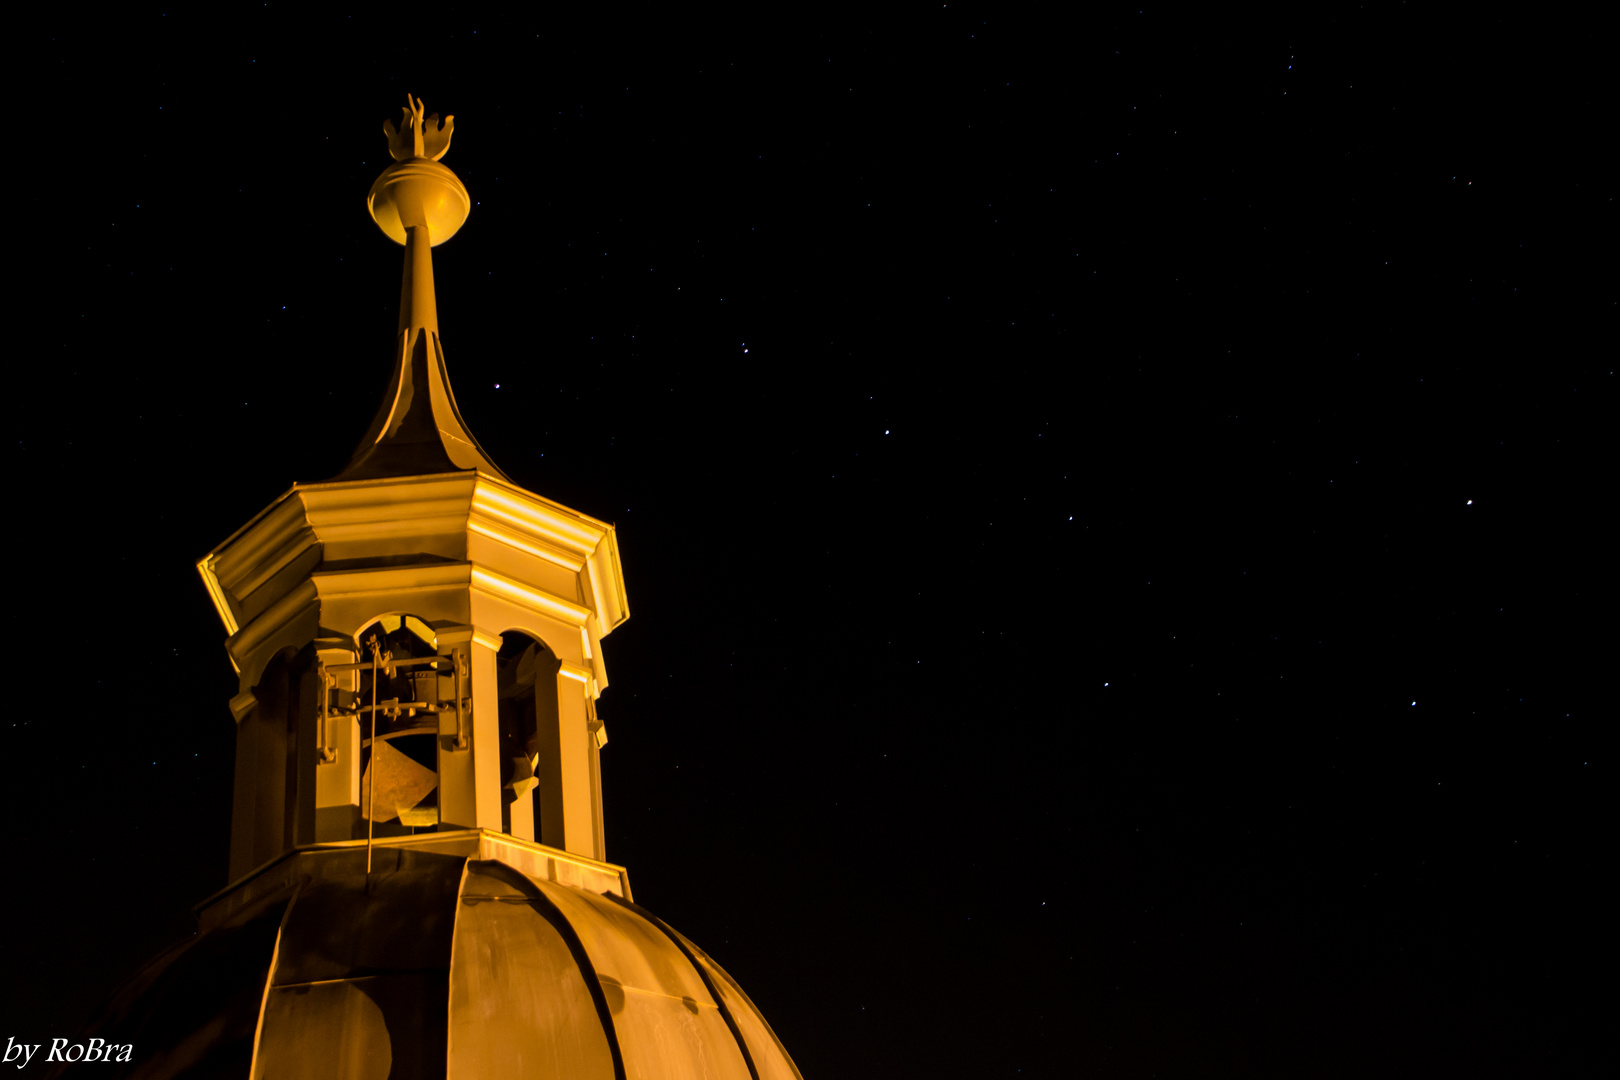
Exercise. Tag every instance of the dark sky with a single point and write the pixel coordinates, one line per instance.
(1110, 510)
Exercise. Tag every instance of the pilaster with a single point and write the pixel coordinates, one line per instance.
(486, 733)
(578, 835)
(458, 779)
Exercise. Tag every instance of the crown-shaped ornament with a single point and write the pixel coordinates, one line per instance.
(418, 137)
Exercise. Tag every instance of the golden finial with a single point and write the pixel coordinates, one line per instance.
(418, 137)
(417, 189)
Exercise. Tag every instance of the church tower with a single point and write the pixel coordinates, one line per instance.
(419, 884)
(421, 593)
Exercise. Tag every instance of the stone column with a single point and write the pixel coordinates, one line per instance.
(458, 786)
(486, 732)
(574, 744)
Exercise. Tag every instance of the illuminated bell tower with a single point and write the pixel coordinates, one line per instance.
(417, 879)
(418, 639)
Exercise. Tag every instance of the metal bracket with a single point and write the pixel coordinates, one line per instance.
(328, 750)
(393, 707)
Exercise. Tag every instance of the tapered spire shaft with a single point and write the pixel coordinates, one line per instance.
(417, 307)
(418, 202)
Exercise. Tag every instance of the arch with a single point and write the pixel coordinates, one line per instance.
(526, 669)
(253, 646)
(559, 639)
(399, 764)
(437, 604)
(415, 630)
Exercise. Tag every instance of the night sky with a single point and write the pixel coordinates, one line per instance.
(1111, 511)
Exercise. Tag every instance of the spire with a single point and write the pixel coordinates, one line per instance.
(419, 203)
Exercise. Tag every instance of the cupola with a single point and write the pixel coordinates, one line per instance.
(418, 877)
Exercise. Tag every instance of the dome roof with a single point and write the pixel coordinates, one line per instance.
(460, 955)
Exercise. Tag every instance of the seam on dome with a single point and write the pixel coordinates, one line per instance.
(450, 968)
(719, 1002)
(593, 982)
(270, 981)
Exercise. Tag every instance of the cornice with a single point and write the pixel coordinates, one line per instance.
(332, 584)
(246, 641)
(529, 546)
(526, 596)
(434, 507)
(217, 579)
(541, 519)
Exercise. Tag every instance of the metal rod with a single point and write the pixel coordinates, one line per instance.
(391, 706)
(459, 664)
(392, 663)
(371, 772)
(388, 706)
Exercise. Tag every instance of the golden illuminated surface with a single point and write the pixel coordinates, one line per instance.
(419, 884)
(459, 954)
(423, 548)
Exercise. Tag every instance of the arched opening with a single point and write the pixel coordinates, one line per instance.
(526, 673)
(399, 765)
